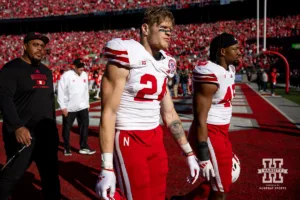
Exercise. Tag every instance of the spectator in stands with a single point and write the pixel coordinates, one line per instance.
(184, 76)
(27, 105)
(73, 99)
(176, 80)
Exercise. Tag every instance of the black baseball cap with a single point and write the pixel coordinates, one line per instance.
(77, 62)
(35, 36)
(223, 40)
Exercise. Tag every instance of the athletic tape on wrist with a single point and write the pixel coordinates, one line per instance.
(186, 148)
(107, 161)
(203, 151)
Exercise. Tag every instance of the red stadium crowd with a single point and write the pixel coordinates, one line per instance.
(38, 8)
(189, 42)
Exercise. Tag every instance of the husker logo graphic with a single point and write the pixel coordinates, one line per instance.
(40, 82)
(272, 173)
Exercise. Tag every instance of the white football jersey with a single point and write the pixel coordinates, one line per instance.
(220, 111)
(145, 87)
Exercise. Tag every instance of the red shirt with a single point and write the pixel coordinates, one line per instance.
(273, 77)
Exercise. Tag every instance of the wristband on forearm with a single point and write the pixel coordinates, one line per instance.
(186, 148)
(203, 151)
(107, 161)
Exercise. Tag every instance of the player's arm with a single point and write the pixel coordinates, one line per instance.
(202, 100)
(172, 120)
(113, 83)
(8, 89)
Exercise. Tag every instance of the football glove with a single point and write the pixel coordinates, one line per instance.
(106, 182)
(206, 169)
(194, 168)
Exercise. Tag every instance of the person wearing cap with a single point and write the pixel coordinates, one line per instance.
(213, 85)
(28, 106)
(73, 99)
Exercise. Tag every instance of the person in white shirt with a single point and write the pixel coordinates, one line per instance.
(73, 99)
(265, 80)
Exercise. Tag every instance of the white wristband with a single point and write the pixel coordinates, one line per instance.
(186, 148)
(107, 161)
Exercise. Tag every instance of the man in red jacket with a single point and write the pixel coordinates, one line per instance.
(274, 76)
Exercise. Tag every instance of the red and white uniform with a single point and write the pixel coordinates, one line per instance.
(220, 111)
(218, 120)
(146, 85)
(140, 157)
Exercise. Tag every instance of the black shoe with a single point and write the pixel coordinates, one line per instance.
(67, 152)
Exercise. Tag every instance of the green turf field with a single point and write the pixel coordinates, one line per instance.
(293, 95)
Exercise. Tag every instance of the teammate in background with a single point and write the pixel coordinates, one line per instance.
(134, 95)
(213, 91)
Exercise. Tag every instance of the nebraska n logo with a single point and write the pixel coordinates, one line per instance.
(126, 141)
(272, 171)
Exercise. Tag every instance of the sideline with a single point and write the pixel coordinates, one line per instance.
(274, 106)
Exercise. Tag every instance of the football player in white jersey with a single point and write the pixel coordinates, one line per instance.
(134, 96)
(213, 85)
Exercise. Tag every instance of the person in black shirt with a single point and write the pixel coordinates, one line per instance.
(28, 109)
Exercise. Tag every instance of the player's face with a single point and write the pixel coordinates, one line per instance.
(35, 50)
(233, 55)
(160, 35)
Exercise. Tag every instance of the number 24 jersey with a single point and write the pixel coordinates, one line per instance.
(146, 84)
(220, 111)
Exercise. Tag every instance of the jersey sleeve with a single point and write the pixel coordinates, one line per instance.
(202, 74)
(115, 51)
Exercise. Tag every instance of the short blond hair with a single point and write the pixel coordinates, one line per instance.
(157, 15)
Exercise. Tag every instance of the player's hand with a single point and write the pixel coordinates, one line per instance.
(23, 136)
(192, 162)
(65, 112)
(106, 181)
(207, 169)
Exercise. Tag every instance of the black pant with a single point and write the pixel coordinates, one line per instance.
(43, 151)
(82, 117)
(273, 86)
